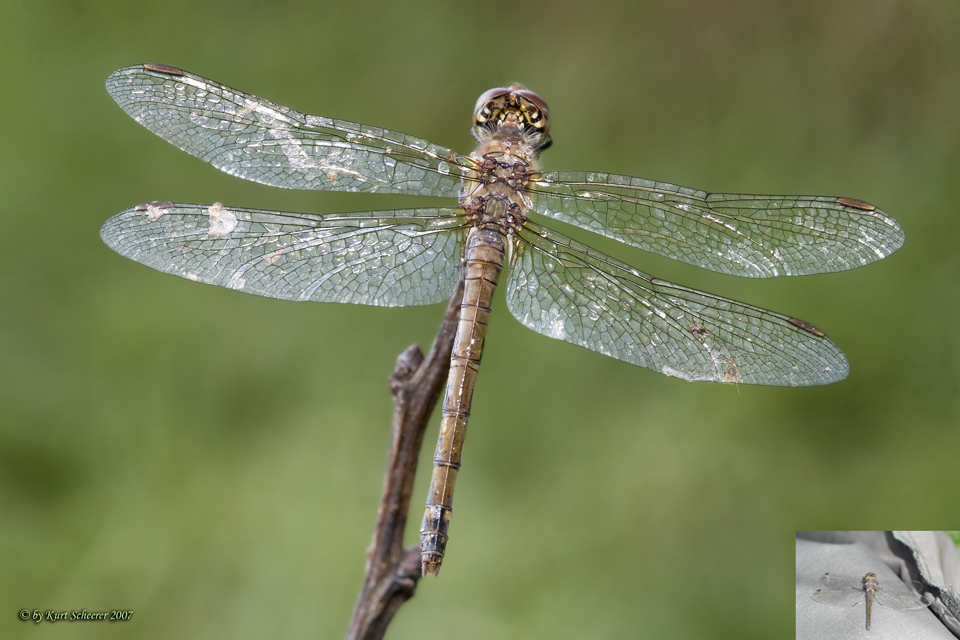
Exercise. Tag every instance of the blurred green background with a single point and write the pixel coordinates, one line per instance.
(212, 461)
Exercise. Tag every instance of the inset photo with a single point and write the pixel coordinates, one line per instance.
(877, 584)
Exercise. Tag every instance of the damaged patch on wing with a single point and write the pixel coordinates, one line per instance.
(726, 368)
(154, 209)
(222, 221)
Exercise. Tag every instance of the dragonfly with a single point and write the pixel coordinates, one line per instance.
(850, 591)
(555, 285)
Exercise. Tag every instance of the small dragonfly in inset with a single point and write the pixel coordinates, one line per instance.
(556, 285)
(850, 591)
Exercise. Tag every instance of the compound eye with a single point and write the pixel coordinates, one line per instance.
(480, 111)
(535, 98)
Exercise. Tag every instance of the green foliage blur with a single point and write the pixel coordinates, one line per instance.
(212, 461)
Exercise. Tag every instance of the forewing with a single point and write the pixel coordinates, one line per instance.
(386, 258)
(565, 290)
(840, 591)
(745, 235)
(255, 139)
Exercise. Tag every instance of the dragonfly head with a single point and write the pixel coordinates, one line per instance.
(513, 112)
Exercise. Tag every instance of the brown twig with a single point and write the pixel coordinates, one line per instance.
(392, 572)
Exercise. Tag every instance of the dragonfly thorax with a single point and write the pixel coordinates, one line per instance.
(495, 211)
(494, 192)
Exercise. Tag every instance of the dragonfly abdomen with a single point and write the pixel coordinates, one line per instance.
(483, 263)
(870, 585)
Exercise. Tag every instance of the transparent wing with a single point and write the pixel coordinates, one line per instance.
(386, 258)
(254, 139)
(840, 591)
(745, 235)
(894, 594)
(565, 290)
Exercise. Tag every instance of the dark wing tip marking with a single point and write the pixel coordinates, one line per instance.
(163, 68)
(856, 204)
(809, 328)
